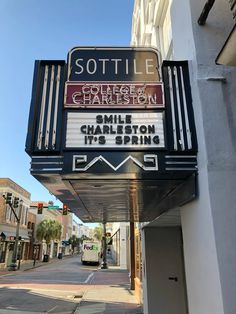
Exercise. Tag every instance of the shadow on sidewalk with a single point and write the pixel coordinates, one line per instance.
(97, 307)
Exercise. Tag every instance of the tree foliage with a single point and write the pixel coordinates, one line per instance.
(84, 238)
(98, 231)
(49, 230)
(74, 241)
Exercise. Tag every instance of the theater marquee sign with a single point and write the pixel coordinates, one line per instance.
(129, 81)
(112, 129)
(123, 130)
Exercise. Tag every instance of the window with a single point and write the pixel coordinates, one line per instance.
(25, 216)
(165, 30)
(8, 213)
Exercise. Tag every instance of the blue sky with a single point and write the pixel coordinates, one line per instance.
(46, 29)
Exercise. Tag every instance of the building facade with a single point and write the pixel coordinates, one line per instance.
(67, 231)
(75, 227)
(84, 231)
(188, 253)
(118, 244)
(33, 249)
(8, 223)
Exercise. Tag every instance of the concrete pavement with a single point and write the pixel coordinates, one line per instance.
(108, 294)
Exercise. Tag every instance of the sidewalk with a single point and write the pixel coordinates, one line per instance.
(24, 266)
(109, 293)
(27, 265)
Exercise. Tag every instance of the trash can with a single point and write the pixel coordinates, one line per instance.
(45, 258)
(59, 256)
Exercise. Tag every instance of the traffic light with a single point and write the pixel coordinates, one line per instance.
(65, 209)
(9, 198)
(40, 208)
(16, 202)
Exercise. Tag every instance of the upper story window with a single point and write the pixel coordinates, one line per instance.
(167, 35)
(163, 22)
(25, 216)
(8, 213)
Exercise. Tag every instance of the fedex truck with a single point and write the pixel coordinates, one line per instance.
(91, 252)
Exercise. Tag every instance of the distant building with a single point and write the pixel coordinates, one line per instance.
(75, 227)
(91, 233)
(84, 231)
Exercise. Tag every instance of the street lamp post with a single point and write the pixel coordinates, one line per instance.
(13, 265)
(104, 246)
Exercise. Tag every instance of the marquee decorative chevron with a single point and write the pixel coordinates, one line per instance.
(81, 159)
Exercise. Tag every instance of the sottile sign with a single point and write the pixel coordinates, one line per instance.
(113, 64)
(119, 79)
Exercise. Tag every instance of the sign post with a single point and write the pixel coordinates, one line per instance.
(104, 248)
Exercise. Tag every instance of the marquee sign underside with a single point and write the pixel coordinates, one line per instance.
(128, 187)
(110, 139)
(98, 200)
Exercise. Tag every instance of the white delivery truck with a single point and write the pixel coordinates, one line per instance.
(91, 252)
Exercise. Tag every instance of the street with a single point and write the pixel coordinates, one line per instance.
(55, 287)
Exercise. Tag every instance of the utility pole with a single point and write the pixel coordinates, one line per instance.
(15, 204)
(15, 250)
(104, 246)
(132, 256)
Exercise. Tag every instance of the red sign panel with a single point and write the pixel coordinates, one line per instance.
(113, 95)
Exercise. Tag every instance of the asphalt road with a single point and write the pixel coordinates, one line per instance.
(52, 288)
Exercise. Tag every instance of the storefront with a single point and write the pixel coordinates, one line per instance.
(7, 243)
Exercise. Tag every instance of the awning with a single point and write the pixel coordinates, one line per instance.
(65, 242)
(8, 235)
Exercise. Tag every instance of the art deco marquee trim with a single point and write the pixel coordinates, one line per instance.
(81, 159)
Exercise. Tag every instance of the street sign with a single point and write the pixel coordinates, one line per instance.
(53, 207)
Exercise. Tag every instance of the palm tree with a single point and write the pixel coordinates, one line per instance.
(74, 241)
(84, 238)
(98, 232)
(49, 230)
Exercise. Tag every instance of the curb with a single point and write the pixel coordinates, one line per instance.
(76, 311)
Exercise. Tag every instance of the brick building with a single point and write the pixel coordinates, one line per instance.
(8, 222)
